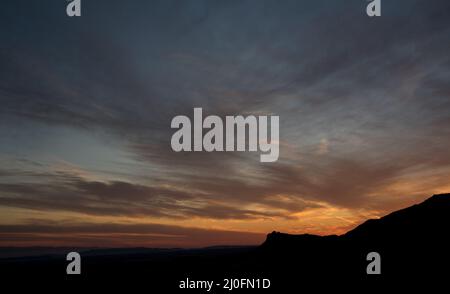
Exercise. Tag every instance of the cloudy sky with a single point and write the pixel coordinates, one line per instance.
(86, 106)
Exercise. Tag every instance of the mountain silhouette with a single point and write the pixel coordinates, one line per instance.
(429, 219)
(413, 244)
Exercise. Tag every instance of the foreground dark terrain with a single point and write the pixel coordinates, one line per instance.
(412, 242)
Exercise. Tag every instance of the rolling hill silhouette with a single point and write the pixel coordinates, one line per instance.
(413, 244)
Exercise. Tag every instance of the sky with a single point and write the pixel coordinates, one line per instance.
(87, 102)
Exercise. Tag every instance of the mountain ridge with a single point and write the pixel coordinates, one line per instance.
(439, 203)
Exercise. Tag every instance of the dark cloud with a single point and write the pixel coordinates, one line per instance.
(150, 235)
(116, 198)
